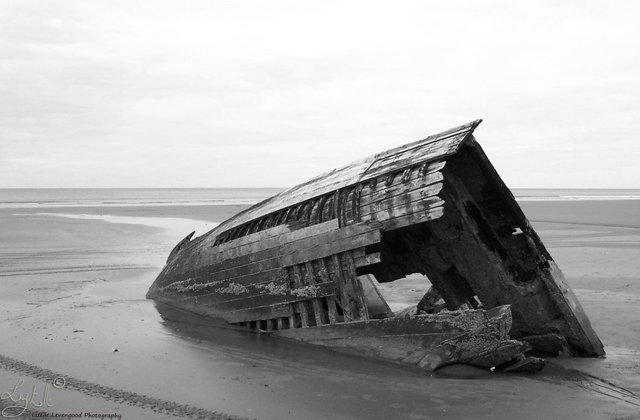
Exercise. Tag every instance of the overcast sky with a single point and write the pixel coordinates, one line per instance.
(269, 93)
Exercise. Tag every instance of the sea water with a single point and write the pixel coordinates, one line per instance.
(138, 197)
(123, 197)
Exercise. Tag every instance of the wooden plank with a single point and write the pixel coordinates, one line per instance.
(356, 202)
(301, 307)
(220, 292)
(326, 248)
(299, 240)
(383, 193)
(271, 221)
(349, 289)
(413, 157)
(317, 305)
(349, 204)
(359, 252)
(281, 216)
(354, 288)
(288, 254)
(297, 294)
(332, 312)
(367, 259)
(204, 285)
(469, 127)
(399, 166)
(418, 150)
(249, 279)
(327, 209)
(287, 246)
(413, 200)
(376, 303)
(225, 252)
(340, 210)
(239, 271)
(323, 274)
(338, 278)
(409, 219)
(228, 250)
(316, 213)
(402, 199)
(261, 313)
(423, 171)
(419, 207)
(303, 214)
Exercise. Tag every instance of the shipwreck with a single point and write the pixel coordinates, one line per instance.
(305, 264)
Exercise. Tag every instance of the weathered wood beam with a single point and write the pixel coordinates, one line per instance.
(289, 253)
(324, 249)
(259, 313)
(309, 278)
(340, 281)
(323, 274)
(433, 213)
(266, 239)
(410, 157)
(418, 207)
(373, 197)
(416, 199)
(367, 259)
(296, 294)
(353, 288)
(300, 307)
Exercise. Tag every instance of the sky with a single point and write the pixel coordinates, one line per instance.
(270, 93)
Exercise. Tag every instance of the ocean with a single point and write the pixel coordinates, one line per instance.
(139, 197)
(562, 194)
(119, 197)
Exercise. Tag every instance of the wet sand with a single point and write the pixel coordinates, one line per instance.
(72, 291)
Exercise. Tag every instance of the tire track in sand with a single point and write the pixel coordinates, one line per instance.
(113, 394)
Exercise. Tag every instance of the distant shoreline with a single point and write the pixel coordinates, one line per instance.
(189, 197)
(564, 194)
(579, 198)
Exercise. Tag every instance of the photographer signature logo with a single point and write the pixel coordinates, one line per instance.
(21, 398)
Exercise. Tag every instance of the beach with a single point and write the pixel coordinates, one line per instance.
(79, 337)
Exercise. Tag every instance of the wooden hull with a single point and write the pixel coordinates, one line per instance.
(295, 264)
(474, 337)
